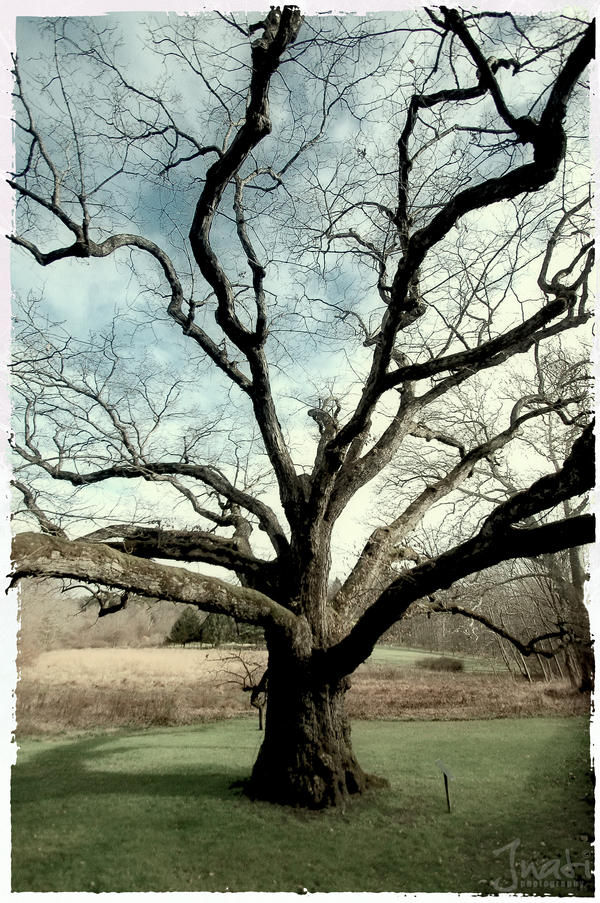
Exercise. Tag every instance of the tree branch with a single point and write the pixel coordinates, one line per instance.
(280, 30)
(380, 545)
(497, 540)
(526, 649)
(549, 146)
(35, 554)
(148, 470)
(30, 501)
(85, 248)
(190, 546)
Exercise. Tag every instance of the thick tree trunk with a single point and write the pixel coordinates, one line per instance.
(306, 758)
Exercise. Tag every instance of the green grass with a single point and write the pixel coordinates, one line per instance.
(402, 657)
(153, 811)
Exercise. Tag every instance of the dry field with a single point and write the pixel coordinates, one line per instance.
(82, 689)
(75, 689)
(414, 694)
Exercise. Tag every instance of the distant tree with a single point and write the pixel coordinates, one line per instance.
(186, 629)
(218, 629)
(249, 634)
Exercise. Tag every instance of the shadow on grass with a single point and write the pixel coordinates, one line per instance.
(76, 768)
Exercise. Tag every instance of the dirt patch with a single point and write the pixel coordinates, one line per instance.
(81, 689)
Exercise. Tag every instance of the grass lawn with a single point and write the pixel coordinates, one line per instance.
(153, 811)
(404, 657)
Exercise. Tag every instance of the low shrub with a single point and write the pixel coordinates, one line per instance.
(440, 663)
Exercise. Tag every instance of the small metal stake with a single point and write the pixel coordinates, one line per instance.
(447, 794)
(448, 776)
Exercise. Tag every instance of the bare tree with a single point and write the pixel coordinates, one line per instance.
(536, 606)
(339, 219)
(251, 676)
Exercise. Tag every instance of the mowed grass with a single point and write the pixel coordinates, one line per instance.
(401, 657)
(154, 811)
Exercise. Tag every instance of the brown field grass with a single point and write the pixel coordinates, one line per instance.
(79, 689)
(83, 689)
(416, 695)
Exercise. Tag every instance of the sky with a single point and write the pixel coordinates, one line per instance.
(80, 277)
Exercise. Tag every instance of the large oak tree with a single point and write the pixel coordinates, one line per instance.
(325, 230)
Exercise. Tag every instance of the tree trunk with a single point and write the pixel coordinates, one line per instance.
(306, 758)
(586, 663)
(579, 658)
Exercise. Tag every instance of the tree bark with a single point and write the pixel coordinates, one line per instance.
(306, 758)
